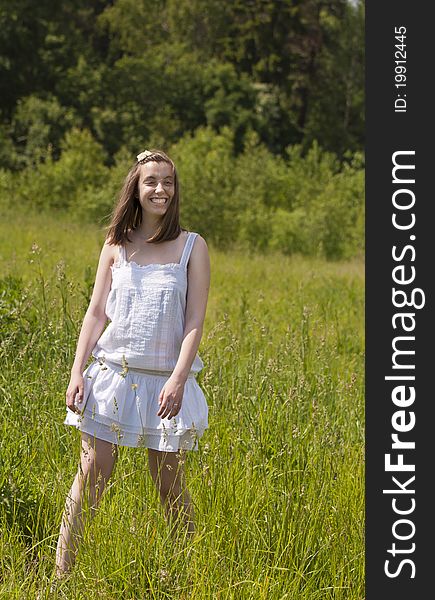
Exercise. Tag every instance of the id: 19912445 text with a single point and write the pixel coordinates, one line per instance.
(400, 69)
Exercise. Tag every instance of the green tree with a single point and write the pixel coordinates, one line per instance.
(39, 41)
(38, 127)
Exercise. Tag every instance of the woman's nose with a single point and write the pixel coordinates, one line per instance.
(159, 187)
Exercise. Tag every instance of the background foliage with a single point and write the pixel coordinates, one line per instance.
(259, 102)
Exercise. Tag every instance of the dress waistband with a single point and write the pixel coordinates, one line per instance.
(127, 368)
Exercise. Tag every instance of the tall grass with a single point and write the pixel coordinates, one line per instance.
(278, 480)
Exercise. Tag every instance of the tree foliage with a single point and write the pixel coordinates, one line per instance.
(137, 70)
(259, 101)
(305, 203)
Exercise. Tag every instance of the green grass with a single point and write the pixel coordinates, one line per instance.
(278, 482)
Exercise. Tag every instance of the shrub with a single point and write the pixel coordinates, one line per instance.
(65, 183)
(304, 203)
(208, 177)
(39, 125)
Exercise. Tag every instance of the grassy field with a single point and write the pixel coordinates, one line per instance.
(278, 482)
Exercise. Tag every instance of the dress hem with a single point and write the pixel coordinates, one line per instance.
(162, 442)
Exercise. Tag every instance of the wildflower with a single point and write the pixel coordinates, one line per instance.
(102, 364)
(141, 440)
(133, 526)
(194, 433)
(163, 574)
(124, 363)
(116, 429)
(60, 270)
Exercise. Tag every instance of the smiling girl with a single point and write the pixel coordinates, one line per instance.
(140, 390)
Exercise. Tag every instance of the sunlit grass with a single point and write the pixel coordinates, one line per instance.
(278, 481)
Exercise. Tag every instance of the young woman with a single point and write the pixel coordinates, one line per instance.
(140, 390)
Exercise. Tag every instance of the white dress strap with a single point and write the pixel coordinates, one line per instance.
(191, 236)
(122, 257)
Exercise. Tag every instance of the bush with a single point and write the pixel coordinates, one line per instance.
(39, 125)
(96, 203)
(65, 183)
(304, 203)
(208, 177)
(261, 187)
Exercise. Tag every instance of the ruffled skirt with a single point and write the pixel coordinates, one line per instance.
(120, 406)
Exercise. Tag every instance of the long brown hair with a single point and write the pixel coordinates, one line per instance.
(127, 213)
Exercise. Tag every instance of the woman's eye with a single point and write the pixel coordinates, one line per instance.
(154, 183)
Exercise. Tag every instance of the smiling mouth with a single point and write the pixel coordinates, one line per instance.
(157, 200)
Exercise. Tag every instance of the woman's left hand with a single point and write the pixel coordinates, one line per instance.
(171, 398)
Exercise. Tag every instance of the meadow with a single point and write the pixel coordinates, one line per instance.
(278, 481)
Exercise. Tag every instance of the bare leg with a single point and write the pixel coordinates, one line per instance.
(96, 464)
(167, 471)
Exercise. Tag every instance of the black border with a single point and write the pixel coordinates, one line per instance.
(387, 132)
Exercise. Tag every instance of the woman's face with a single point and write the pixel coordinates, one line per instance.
(156, 187)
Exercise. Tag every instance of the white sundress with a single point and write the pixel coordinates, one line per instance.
(135, 356)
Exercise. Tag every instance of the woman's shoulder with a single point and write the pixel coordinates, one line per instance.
(199, 251)
(110, 252)
(197, 236)
(200, 241)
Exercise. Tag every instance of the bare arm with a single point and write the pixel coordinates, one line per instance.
(198, 281)
(92, 327)
(95, 317)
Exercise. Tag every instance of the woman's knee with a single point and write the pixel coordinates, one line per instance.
(170, 491)
(97, 461)
(167, 473)
(170, 486)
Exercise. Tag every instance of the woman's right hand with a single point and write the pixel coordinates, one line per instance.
(74, 393)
